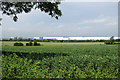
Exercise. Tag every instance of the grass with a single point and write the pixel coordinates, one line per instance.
(10, 43)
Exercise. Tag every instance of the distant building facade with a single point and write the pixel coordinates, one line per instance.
(74, 38)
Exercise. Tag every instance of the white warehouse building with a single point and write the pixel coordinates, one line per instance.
(75, 38)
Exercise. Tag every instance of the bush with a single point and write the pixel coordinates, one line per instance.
(18, 44)
(29, 44)
(116, 43)
(109, 42)
(36, 44)
(33, 44)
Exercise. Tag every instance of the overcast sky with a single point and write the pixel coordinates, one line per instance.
(78, 19)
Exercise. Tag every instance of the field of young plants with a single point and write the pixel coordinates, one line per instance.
(60, 60)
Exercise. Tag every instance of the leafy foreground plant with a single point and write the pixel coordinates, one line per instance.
(14, 66)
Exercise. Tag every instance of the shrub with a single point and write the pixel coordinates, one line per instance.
(18, 44)
(116, 43)
(33, 44)
(29, 44)
(36, 44)
(109, 42)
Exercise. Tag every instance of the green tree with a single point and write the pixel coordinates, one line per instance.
(14, 8)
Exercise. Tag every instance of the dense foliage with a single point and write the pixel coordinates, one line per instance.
(109, 42)
(33, 44)
(18, 44)
(61, 61)
(15, 8)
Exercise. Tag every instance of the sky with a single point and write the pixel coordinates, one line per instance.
(91, 0)
(95, 19)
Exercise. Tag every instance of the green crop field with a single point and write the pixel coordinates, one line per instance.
(60, 60)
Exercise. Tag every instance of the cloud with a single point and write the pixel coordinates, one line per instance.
(41, 23)
(94, 21)
(101, 25)
(106, 21)
(112, 24)
(60, 26)
(91, 0)
(83, 20)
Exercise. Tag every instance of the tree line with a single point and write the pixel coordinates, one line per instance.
(50, 40)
